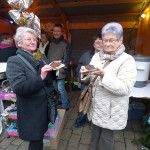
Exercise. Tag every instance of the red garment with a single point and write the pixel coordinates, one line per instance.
(2, 45)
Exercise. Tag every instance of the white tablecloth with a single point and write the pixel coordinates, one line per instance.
(143, 92)
(3, 67)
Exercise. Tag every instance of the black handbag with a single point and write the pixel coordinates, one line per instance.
(52, 108)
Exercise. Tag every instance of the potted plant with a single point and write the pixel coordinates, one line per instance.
(144, 141)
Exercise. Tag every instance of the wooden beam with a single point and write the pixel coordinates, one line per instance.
(33, 6)
(92, 16)
(84, 3)
(5, 9)
(62, 14)
(146, 8)
(3, 18)
(98, 25)
(50, 18)
(55, 5)
(94, 2)
(104, 15)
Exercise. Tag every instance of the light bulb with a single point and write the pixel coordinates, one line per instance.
(143, 15)
(11, 22)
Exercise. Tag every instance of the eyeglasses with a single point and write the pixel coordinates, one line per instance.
(111, 41)
(30, 40)
(98, 43)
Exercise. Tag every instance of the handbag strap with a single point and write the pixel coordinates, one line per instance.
(27, 63)
(97, 75)
(33, 70)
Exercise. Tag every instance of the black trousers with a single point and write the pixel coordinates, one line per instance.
(36, 145)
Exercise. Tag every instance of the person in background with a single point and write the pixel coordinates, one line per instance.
(110, 93)
(83, 61)
(7, 47)
(29, 87)
(59, 49)
(44, 44)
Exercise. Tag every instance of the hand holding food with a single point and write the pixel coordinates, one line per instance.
(98, 71)
(88, 68)
(45, 70)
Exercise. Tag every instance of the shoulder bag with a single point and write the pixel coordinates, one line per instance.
(86, 94)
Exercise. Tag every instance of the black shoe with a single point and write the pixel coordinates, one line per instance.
(78, 125)
(58, 102)
(65, 108)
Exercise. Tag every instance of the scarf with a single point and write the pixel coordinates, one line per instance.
(56, 41)
(115, 55)
(42, 47)
(5, 45)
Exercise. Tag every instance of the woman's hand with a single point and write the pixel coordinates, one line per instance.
(45, 70)
(83, 69)
(99, 72)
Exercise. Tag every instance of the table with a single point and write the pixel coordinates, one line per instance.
(3, 67)
(143, 92)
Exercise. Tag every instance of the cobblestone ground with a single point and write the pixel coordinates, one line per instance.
(78, 139)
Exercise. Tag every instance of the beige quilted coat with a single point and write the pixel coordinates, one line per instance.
(110, 97)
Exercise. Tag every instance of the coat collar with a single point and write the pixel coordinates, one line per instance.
(92, 52)
(117, 53)
(56, 41)
(29, 58)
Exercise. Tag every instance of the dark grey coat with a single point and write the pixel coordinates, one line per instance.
(84, 60)
(6, 53)
(31, 97)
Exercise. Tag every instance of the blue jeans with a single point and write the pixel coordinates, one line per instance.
(81, 120)
(59, 85)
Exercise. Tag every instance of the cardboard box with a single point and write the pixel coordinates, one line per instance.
(52, 143)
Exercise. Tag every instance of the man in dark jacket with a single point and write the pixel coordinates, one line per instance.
(7, 47)
(59, 49)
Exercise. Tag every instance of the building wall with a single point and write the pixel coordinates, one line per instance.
(82, 41)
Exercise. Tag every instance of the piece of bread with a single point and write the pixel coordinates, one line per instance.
(55, 65)
(90, 67)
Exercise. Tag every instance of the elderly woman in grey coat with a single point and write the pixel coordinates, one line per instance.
(110, 95)
(32, 100)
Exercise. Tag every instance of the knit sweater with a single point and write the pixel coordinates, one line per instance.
(59, 49)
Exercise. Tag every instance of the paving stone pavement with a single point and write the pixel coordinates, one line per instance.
(80, 138)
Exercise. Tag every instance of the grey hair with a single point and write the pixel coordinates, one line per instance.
(20, 31)
(113, 27)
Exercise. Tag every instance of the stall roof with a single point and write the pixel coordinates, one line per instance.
(83, 11)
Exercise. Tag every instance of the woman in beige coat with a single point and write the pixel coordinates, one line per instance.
(110, 95)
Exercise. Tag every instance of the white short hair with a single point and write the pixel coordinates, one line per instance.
(20, 31)
(113, 27)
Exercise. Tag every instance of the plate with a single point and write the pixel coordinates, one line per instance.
(60, 66)
(88, 71)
